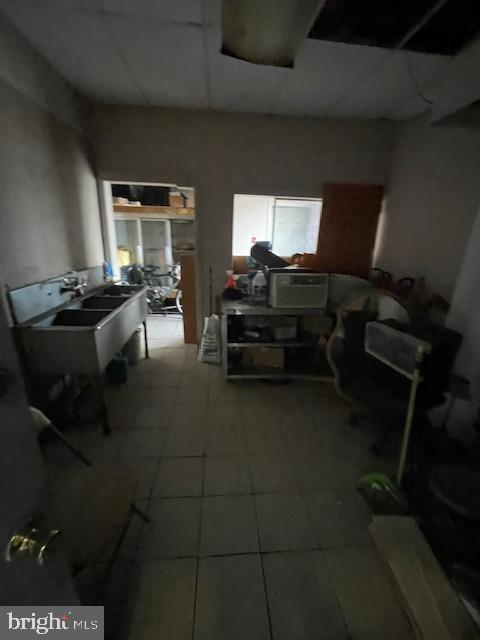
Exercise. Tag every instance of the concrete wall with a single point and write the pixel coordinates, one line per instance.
(432, 197)
(49, 220)
(221, 154)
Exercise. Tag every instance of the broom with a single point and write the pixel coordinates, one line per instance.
(383, 493)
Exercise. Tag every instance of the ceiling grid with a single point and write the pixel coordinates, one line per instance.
(167, 53)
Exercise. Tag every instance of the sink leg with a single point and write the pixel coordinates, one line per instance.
(147, 355)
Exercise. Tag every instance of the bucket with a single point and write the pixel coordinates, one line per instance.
(132, 349)
(117, 369)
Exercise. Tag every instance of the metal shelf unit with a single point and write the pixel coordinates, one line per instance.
(272, 345)
(235, 371)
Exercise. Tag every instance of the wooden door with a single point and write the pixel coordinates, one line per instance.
(348, 227)
(23, 579)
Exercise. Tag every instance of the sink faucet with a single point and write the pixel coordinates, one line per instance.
(74, 284)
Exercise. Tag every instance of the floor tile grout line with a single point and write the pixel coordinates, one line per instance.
(262, 566)
(317, 541)
(135, 558)
(299, 486)
(266, 552)
(200, 526)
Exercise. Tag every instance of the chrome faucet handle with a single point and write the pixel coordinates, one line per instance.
(80, 287)
(31, 541)
(72, 283)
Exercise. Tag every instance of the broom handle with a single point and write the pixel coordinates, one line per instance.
(409, 419)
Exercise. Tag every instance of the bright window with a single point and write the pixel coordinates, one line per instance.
(289, 224)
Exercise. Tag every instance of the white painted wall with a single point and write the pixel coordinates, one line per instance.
(432, 197)
(464, 314)
(49, 220)
(25, 70)
(222, 154)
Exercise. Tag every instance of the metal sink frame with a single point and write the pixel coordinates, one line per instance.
(87, 340)
(102, 302)
(81, 336)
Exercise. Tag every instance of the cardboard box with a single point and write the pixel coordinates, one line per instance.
(191, 199)
(176, 199)
(262, 357)
(285, 328)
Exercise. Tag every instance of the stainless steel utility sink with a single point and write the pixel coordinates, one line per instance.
(121, 290)
(103, 302)
(78, 318)
(82, 336)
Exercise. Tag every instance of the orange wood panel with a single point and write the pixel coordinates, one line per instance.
(239, 264)
(189, 298)
(348, 228)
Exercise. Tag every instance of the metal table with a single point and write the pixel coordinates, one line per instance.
(241, 308)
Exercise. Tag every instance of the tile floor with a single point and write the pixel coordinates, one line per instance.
(257, 530)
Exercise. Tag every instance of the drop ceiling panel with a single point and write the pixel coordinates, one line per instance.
(427, 80)
(323, 72)
(391, 85)
(78, 46)
(167, 52)
(236, 85)
(67, 5)
(187, 11)
(167, 60)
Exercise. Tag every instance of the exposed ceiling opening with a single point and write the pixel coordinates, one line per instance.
(384, 24)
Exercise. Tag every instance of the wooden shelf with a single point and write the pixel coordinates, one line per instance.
(176, 212)
(238, 372)
(243, 308)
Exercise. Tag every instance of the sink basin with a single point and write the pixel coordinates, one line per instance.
(103, 302)
(78, 318)
(83, 338)
(122, 290)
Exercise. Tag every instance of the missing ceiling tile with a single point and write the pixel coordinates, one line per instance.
(385, 24)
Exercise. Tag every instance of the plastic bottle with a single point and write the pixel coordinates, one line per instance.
(259, 288)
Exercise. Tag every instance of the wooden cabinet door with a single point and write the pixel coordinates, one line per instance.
(348, 227)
